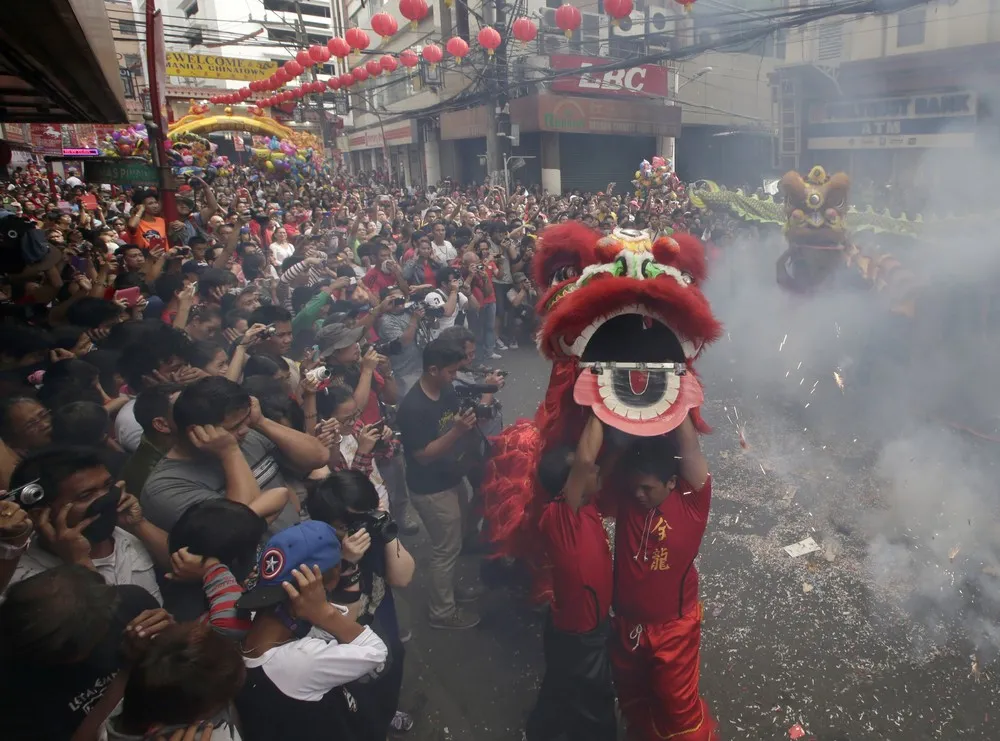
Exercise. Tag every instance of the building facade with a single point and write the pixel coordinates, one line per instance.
(900, 101)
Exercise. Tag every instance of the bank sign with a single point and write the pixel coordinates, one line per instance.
(641, 81)
(912, 121)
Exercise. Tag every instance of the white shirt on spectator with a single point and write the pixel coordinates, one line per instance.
(128, 432)
(282, 252)
(129, 563)
(444, 253)
(436, 299)
(348, 449)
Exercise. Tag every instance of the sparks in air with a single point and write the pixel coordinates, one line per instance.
(783, 341)
(839, 381)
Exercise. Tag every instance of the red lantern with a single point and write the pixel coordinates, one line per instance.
(338, 47)
(243, 92)
(213, 100)
(408, 58)
(315, 54)
(524, 30)
(384, 25)
(298, 93)
(357, 39)
(413, 10)
(360, 74)
(568, 18)
(388, 62)
(432, 53)
(374, 67)
(303, 58)
(489, 39)
(686, 4)
(293, 68)
(333, 83)
(346, 80)
(618, 9)
(457, 47)
(287, 96)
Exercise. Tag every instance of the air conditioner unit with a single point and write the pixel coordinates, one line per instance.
(634, 25)
(661, 20)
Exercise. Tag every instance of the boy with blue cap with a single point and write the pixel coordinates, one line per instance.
(302, 649)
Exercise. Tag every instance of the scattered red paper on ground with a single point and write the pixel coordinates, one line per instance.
(796, 732)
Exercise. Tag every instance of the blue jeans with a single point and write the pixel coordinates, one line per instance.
(485, 331)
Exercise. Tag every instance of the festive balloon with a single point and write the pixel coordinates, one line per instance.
(408, 58)
(568, 19)
(524, 30)
(489, 39)
(432, 53)
(384, 25)
(388, 62)
(357, 39)
(413, 10)
(338, 47)
(373, 67)
(457, 47)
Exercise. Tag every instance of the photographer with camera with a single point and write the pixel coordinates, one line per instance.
(447, 301)
(373, 561)
(482, 305)
(521, 300)
(402, 321)
(439, 440)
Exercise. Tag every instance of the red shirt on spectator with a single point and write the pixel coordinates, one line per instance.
(577, 545)
(376, 279)
(656, 579)
(372, 413)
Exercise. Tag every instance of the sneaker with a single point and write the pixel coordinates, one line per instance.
(494, 356)
(500, 345)
(458, 620)
(512, 345)
(401, 722)
(469, 594)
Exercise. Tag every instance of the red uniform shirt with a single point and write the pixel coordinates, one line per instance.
(376, 279)
(656, 580)
(577, 545)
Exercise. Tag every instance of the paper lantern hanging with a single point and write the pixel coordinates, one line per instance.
(686, 4)
(457, 47)
(293, 68)
(303, 58)
(432, 53)
(388, 62)
(374, 67)
(360, 74)
(384, 25)
(346, 80)
(414, 11)
(315, 54)
(338, 47)
(618, 10)
(357, 39)
(524, 30)
(568, 19)
(333, 83)
(408, 58)
(489, 39)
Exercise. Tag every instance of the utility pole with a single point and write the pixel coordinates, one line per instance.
(303, 40)
(498, 115)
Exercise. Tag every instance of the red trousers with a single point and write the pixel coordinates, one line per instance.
(656, 675)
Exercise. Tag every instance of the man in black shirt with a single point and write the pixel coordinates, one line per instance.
(439, 440)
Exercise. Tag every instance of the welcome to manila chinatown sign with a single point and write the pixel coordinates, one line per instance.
(641, 81)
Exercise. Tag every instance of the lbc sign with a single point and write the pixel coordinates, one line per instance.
(641, 81)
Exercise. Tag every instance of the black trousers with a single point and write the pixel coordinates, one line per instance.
(577, 697)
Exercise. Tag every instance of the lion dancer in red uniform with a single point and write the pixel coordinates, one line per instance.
(662, 510)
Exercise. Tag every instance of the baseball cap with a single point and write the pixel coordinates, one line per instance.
(335, 337)
(312, 543)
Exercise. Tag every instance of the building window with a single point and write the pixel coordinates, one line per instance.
(831, 40)
(911, 27)
(191, 9)
(128, 82)
(127, 28)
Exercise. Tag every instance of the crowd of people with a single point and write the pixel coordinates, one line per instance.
(216, 428)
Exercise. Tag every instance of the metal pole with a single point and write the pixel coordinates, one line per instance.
(157, 131)
(303, 39)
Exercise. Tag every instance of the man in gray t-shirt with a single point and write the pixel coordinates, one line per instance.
(398, 323)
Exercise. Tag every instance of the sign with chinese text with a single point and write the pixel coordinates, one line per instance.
(641, 81)
(924, 120)
(184, 64)
(120, 172)
(47, 138)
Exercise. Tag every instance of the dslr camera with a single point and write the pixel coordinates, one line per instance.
(379, 525)
(388, 347)
(468, 398)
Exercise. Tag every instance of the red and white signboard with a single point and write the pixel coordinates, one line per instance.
(641, 81)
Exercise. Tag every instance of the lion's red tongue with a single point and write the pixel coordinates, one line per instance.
(639, 402)
(638, 381)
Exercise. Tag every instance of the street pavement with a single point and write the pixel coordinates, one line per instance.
(828, 642)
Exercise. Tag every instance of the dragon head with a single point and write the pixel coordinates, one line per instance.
(631, 318)
(815, 208)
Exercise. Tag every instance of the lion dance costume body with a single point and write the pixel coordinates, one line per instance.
(622, 320)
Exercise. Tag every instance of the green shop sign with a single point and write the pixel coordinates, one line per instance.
(120, 172)
(554, 122)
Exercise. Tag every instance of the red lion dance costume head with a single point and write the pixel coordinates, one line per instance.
(620, 316)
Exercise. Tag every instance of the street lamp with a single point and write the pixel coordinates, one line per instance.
(697, 75)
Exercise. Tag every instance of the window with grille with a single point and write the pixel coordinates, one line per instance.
(911, 26)
(831, 41)
(127, 28)
(128, 82)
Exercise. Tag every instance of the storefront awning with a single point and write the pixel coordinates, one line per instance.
(58, 63)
